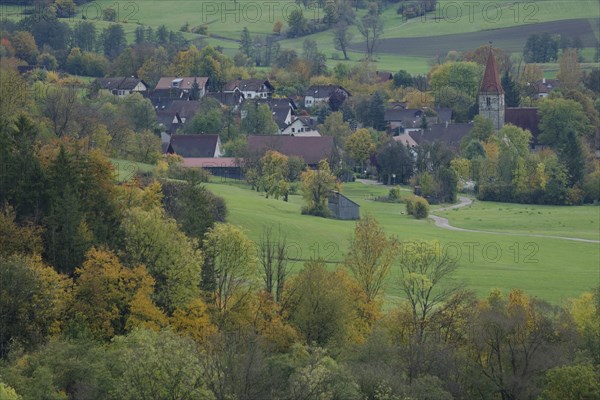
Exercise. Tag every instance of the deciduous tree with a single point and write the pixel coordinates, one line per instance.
(371, 256)
(316, 185)
(232, 257)
(154, 240)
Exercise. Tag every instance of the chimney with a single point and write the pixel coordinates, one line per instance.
(544, 81)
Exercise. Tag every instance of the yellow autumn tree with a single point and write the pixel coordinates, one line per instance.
(371, 256)
(194, 321)
(111, 299)
(274, 172)
(316, 185)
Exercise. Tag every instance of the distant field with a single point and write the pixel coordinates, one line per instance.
(509, 39)
(548, 268)
(406, 44)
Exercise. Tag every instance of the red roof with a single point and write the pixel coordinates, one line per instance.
(523, 117)
(209, 162)
(491, 80)
(311, 148)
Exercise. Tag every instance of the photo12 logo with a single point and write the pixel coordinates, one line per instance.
(71, 11)
(473, 252)
(474, 11)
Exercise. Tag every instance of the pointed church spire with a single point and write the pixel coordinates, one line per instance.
(491, 80)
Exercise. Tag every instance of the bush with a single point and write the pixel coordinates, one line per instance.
(417, 206)
(394, 193)
(421, 208)
(591, 186)
(177, 171)
(200, 29)
(410, 205)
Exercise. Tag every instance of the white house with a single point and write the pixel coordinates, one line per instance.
(121, 86)
(181, 87)
(251, 88)
(301, 126)
(316, 94)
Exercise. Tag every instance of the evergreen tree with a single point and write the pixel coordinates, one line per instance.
(246, 43)
(140, 35)
(113, 40)
(571, 154)
(66, 235)
(376, 112)
(195, 93)
(512, 95)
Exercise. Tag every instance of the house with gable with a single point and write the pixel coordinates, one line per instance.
(316, 94)
(180, 88)
(312, 149)
(251, 88)
(195, 146)
(120, 86)
(301, 126)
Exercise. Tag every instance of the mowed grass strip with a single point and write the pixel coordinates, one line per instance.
(551, 269)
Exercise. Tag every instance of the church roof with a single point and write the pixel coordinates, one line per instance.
(491, 80)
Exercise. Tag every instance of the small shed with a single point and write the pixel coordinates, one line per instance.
(342, 207)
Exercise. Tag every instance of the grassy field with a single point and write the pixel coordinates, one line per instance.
(582, 222)
(407, 44)
(551, 269)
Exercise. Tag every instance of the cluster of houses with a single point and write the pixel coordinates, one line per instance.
(177, 100)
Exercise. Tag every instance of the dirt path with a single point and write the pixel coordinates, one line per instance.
(465, 201)
(443, 223)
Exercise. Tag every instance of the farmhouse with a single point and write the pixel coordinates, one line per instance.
(399, 119)
(251, 88)
(342, 207)
(448, 134)
(230, 99)
(301, 126)
(541, 89)
(180, 87)
(195, 146)
(316, 94)
(120, 86)
(282, 109)
(310, 149)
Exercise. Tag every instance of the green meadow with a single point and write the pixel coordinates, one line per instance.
(434, 34)
(551, 269)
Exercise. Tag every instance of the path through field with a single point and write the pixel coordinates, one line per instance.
(465, 201)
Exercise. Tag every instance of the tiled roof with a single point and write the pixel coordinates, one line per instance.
(185, 83)
(194, 146)
(323, 91)
(118, 83)
(311, 148)
(450, 135)
(244, 85)
(491, 80)
(523, 117)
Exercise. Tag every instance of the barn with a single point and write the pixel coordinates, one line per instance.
(342, 207)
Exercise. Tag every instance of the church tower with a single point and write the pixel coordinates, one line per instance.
(491, 94)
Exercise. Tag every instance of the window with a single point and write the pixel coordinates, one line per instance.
(488, 102)
(293, 130)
